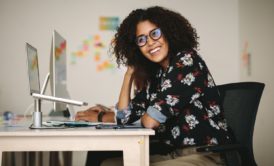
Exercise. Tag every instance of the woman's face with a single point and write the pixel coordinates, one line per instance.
(156, 50)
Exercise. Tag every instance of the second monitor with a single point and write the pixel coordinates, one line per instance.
(58, 70)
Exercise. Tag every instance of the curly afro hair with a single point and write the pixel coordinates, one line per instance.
(176, 29)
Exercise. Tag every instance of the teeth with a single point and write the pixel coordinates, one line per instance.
(154, 50)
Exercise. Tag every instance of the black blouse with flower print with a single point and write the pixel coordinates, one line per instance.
(185, 100)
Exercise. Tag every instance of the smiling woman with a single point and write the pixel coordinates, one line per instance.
(174, 94)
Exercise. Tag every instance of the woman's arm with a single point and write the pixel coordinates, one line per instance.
(124, 100)
(92, 113)
(124, 97)
(149, 122)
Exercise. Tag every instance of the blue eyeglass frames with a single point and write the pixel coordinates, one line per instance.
(154, 34)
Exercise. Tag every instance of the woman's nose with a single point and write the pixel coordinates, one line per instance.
(150, 41)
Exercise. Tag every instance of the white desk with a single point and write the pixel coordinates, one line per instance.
(133, 142)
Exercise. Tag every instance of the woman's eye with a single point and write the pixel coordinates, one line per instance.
(156, 33)
(141, 39)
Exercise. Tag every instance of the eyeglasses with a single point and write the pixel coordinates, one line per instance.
(154, 34)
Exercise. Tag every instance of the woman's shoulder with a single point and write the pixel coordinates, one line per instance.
(187, 58)
(189, 53)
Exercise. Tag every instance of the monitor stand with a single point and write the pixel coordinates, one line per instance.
(37, 114)
(63, 113)
(37, 117)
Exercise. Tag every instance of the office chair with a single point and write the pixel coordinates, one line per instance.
(240, 102)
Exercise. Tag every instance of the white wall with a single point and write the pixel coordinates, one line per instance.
(257, 28)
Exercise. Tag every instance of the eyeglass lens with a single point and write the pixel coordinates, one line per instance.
(154, 34)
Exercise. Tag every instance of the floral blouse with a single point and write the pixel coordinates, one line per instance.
(185, 100)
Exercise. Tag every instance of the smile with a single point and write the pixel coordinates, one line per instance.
(154, 50)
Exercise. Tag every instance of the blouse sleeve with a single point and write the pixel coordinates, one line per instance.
(136, 108)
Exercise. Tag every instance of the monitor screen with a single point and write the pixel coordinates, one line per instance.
(33, 70)
(58, 70)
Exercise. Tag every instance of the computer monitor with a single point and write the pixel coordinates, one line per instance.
(34, 80)
(34, 87)
(58, 70)
(33, 69)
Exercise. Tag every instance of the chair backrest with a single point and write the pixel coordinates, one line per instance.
(240, 103)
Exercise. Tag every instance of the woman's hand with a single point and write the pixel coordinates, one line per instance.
(91, 114)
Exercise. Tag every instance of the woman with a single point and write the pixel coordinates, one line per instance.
(174, 91)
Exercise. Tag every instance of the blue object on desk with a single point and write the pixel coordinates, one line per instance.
(8, 115)
(71, 123)
(76, 124)
(104, 126)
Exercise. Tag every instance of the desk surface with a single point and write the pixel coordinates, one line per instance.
(81, 131)
(133, 142)
(21, 129)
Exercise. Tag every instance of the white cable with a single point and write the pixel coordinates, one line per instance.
(27, 110)
(32, 105)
